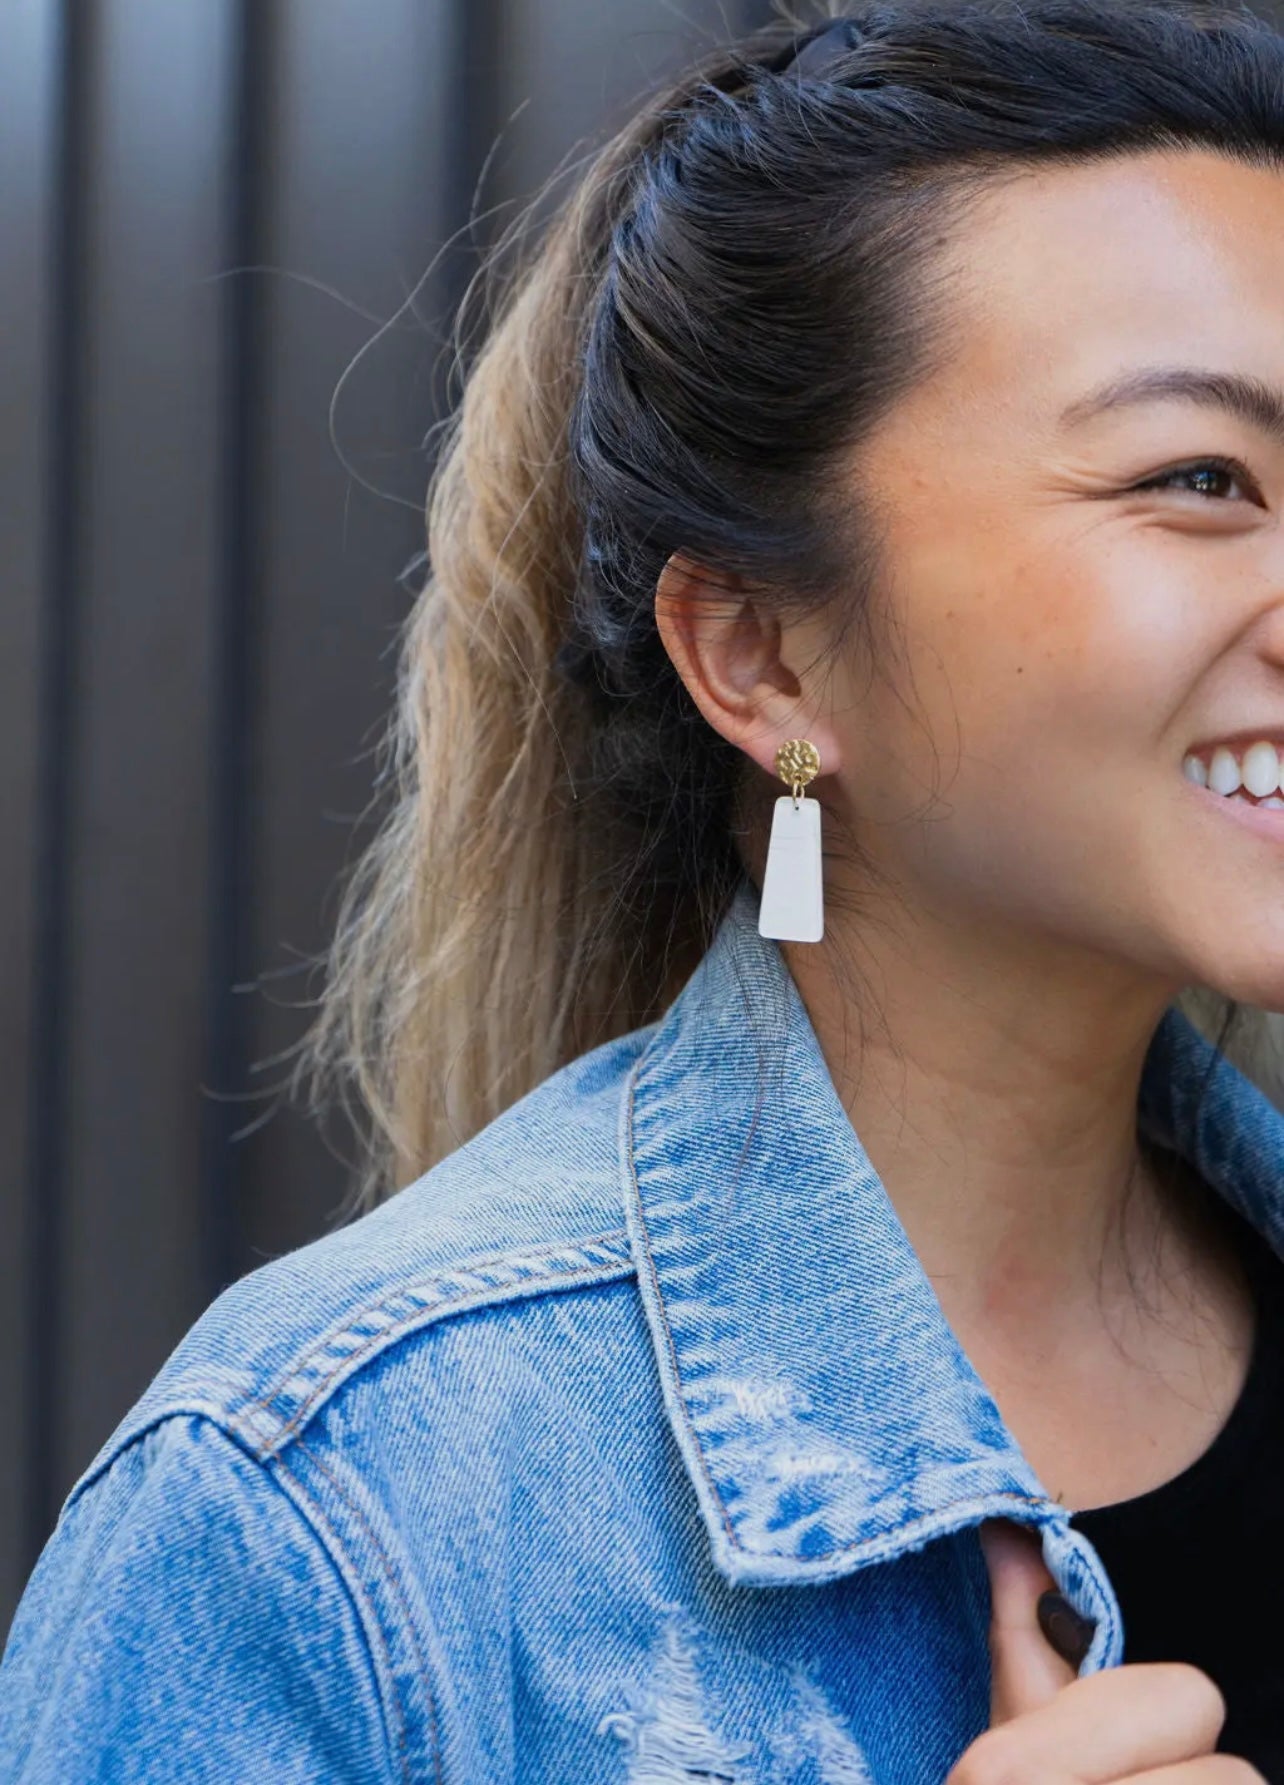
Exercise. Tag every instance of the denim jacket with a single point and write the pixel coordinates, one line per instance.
(628, 1444)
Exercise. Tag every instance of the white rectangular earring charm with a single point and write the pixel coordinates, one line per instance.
(792, 907)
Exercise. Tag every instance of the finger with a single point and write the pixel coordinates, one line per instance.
(1209, 1769)
(1025, 1670)
(1124, 1723)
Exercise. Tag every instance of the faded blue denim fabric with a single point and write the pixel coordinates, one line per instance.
(628, 1445)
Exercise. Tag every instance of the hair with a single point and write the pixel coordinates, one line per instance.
(564, 830)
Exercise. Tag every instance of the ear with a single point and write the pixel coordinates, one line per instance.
(736, 657)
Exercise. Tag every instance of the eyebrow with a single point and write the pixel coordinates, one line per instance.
(1250, 399)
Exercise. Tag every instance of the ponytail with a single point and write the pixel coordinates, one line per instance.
(484, 939)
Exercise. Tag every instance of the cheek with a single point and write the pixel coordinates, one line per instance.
(983, 692)
(1027, 832)
(1073, 673)
(1025, 730)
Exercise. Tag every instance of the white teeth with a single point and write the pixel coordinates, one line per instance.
(1275, 803)
(1223, 772)
(1261, 773)
(1261, 769)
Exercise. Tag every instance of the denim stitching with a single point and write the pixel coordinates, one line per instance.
(664, 1317)
(395, 1580)
(573, 1275)
(429, 1313)
(319, 1512)
(470, 1264)
(899, 1531)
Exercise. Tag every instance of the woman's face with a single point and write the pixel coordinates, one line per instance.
(1068, 637)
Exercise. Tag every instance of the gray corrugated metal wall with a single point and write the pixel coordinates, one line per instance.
(206, 209)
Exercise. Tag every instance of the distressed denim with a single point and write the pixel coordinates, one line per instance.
(629, 1444)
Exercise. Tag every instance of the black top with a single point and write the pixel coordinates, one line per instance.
(1198, 1563)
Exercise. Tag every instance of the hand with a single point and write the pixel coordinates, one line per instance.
(1148, 1723)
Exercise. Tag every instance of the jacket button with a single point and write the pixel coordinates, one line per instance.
(1069, 1634)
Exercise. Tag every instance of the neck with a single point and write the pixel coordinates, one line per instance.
(994, 1087)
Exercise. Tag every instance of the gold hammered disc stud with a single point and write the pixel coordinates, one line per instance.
(797, 762)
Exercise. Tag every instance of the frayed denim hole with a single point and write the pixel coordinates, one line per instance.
(667, 1733)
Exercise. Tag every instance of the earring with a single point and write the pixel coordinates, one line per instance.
(792, 905)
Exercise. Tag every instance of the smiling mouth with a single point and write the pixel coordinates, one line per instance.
(1251, 774)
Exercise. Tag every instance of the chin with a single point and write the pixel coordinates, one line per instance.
(1250, 987)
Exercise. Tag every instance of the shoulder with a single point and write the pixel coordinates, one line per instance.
(530, 1206)
(182, 1622)
(290, 1514)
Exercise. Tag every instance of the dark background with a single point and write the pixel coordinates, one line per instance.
(208, 211)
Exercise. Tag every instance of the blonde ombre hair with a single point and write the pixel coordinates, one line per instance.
(562, 829)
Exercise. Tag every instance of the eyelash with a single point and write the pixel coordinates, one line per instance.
(1230, 467)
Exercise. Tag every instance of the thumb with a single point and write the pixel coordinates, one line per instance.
(1025, 1670)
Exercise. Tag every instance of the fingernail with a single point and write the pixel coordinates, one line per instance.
(1069, 1634)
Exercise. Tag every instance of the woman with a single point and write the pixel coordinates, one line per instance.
(843, 1359)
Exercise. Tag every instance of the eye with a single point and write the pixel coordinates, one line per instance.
(1216, 468)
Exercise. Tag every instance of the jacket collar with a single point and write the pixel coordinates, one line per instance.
(825, 1411)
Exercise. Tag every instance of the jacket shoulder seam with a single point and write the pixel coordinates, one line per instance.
(389, 1687)
(271, 1419)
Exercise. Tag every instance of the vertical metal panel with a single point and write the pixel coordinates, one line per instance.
(576, 63)
(31, 88)
(352, 215)
(153, 179)
(233, 742)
